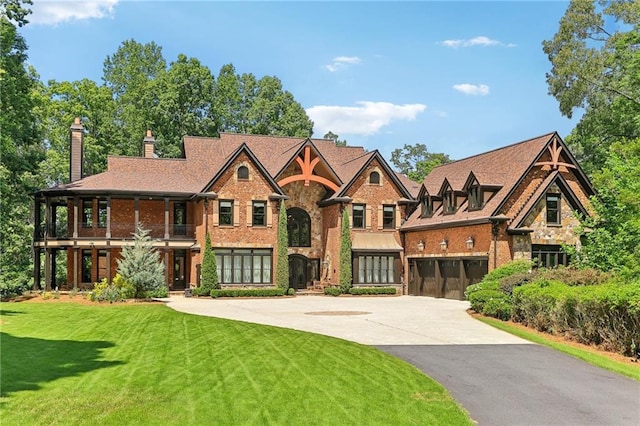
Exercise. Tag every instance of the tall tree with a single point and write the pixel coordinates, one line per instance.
(21, 151)
(416, 161)
(184, 104)
(129, 73)
(596, 68)
(335, 138)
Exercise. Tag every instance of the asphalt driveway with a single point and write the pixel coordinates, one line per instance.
(499, 378)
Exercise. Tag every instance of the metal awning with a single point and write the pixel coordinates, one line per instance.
(374, 241)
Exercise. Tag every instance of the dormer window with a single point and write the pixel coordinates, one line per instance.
(374, 178)
(426, 206)
(450, 205)
(243, 172)
(476, 199)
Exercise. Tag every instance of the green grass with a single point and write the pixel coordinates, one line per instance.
(64, 363)
(585, 355)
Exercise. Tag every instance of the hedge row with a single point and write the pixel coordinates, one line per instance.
(372, 290)
(248, 292)
(606, 314)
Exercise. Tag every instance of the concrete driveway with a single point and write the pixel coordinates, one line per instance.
(498, 378)
(403, 320)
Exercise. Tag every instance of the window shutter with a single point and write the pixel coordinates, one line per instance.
(215, 212)
(398, 216)
(368, 218)
(380, 217)
(236, 213)
(249, 213)
(269, 215)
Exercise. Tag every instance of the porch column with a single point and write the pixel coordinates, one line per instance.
(47, 218)
(108, 262)
(108, 217)
(36, 268)
(136, 211)
(75, 252)
(47, 269)
(76, 202)
(166, 267)
(166, 218)
(36, 220)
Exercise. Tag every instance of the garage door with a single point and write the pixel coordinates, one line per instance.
(423, 278)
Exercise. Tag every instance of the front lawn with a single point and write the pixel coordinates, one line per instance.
(65, 363)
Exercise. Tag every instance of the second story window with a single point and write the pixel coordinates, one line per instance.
(179, 218)
(102, 213)
(259, 216)
(87, 213)
(553, 209)
(450, 205)
(359, 216)
(243, 172)
(389, 217)
(298, 227)
(426, 206)
(226, 213)
(475, 198)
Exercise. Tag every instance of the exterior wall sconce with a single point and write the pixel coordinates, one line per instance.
(420, 245)
(470, 243)
(443, 244)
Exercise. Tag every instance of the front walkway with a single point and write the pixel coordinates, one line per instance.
(402, 320)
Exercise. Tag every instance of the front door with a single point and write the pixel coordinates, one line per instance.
(297, 271)
(179, 269)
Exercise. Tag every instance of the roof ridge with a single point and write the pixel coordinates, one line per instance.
(358, 157)
(264, 136)
(497, 149)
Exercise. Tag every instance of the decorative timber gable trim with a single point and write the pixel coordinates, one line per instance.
(307, 167)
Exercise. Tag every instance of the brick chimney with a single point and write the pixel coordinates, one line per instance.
(75, 158)
(149, 145)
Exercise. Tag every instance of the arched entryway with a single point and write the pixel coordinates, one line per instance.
(298, 271)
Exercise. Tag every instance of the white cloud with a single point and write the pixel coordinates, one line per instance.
(472, 89)
(342, 61)
(58, 11)
(476, 41)
(366, 118)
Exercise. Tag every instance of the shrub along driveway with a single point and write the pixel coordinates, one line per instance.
(500, 379)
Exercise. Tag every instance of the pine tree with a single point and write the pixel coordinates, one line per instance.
(345, 254)
(141, 266)
(209, 269)
(282, 272)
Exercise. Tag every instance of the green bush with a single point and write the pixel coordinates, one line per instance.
(209, 268)
(291, 291)
(497, 308)
(118, 290)
(140, 265)
(482, 285)
(511, 268)
(507, 284)
(372, 290)
(480, 297)
(247, 292)
(12, 285)
(332, 291)
(573, 277)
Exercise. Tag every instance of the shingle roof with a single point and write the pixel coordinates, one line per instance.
(205, 156)
(501, 168)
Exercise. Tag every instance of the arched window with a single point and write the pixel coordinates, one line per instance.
(243, 172)
(299, 227)
(374, 178)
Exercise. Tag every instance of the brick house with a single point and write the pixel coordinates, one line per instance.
(516, 202)
(232, 188)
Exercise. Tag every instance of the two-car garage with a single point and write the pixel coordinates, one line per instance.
(445, 277)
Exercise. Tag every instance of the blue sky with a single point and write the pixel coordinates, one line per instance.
(460, 77)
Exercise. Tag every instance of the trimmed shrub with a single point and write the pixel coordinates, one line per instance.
(282, 256)
(507, 284)
(479, 298)
(372, 290)
(511, 268)
(345, 254)
(332, 291)
(482, 285)
(497, 308)
(247, 292)
(291, 291)
(209, 268)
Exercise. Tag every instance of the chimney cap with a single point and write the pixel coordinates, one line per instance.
(149, 138)
(77, 124)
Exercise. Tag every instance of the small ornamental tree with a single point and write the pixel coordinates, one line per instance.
(141, 266)
(209, 269)
(345, 254)
(282, 259)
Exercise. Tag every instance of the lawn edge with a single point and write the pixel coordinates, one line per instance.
(589, 357)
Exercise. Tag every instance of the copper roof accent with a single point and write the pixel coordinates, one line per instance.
(205, 157)
(501, 169)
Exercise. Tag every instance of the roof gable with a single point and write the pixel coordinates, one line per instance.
(315, 169)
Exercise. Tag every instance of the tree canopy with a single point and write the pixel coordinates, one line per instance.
(416, 161)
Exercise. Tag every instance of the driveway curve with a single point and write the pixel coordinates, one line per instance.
(498, 378)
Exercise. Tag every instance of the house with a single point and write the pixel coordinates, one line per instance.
(231, 187)
(475, 214)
